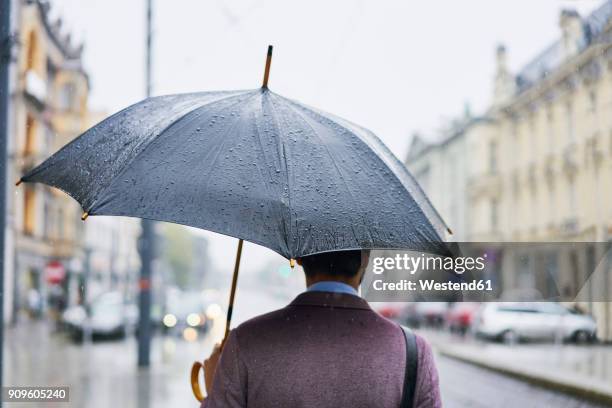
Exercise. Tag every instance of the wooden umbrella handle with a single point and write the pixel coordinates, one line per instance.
(195, 383)
(197, 366)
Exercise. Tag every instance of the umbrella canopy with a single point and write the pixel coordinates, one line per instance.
(250, 164)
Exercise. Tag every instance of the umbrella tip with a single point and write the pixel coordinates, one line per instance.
(19, 182)
(450, 231)
(292, 263)
(84, 216)
(267, 70)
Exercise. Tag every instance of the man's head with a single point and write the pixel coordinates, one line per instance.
(342, 266)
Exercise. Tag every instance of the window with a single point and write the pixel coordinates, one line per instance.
(569, 117)
(551, 308)
(552, 205)
(533, 147)
(29, 208)
(47, 216)
(494, 215)
(571, 187)
(593, 109)
(66, 96)
(492, 157)
(550, 119)
(592, 102)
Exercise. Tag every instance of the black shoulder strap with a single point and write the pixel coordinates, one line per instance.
(410, 376)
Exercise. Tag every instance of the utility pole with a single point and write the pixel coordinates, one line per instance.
(147, 238)
(5, 86)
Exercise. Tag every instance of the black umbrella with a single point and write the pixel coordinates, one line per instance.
(249, 164)
(252, 165)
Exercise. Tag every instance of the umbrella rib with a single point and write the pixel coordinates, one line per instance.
(332, 158)
(262, 150)
(149, 143)
(284, 156)
(212, 165)
(313, 112)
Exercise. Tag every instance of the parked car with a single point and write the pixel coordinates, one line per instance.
(511, 322)
(461, 316)
(109, 316)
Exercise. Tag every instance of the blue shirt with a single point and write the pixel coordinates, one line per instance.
(332, 286)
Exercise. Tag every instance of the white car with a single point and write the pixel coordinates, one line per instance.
(109, 315)
(511, 322)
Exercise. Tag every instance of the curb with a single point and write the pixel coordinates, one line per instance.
(589, 390)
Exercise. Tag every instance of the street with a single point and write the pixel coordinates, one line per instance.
(98, 377)
(104, 373)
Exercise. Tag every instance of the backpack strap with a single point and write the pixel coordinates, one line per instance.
(410, 376)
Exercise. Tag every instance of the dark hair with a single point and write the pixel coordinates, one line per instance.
(337, 263)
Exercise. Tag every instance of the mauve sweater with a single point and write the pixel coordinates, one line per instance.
(322, 350)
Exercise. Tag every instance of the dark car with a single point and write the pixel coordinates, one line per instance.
(185, 315)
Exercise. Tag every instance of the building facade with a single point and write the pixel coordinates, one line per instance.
(49, 103)
(53, 251)
(441, 170)
(549, 155)
(539, 168)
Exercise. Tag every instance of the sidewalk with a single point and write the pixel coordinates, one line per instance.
(583, 371)
(105, 374)
(102, 374)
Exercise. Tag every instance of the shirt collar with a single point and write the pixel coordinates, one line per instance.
(332, 286)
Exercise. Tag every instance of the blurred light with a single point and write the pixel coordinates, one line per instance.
(213, 311)
(190, 334)
(169, 320)
(193, 319)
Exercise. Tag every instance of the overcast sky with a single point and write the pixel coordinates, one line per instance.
(394, 67)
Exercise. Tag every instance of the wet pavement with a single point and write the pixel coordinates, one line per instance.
(465, 385)
(104, 374)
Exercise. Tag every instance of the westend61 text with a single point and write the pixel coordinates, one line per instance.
(430, 284)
